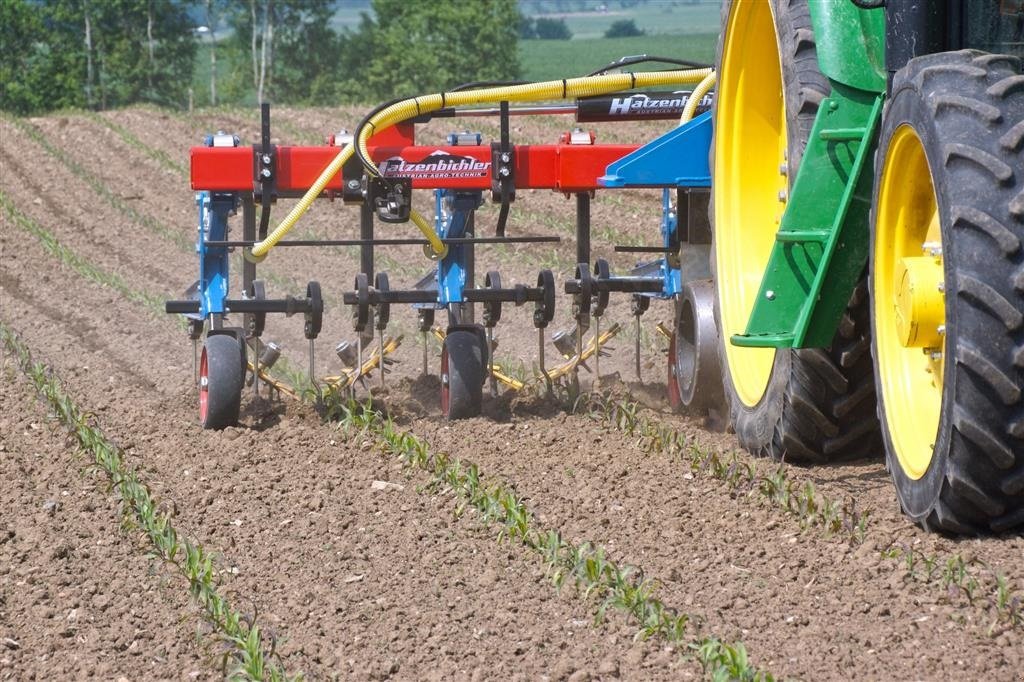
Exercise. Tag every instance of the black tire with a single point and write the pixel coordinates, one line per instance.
(967, 109)
(220, 382)
(463, 368)
(819, 404)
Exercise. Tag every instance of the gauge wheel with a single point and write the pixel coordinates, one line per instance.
(948, 290)
(462, 374)
(221, 377)
(808, 405)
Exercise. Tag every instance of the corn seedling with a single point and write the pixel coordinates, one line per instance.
(158, 155)
(588, 568)
(972, 582)
(805, 504)
(157, 227)
(245, 657)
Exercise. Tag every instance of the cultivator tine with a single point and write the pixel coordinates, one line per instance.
(352, 373)
(312, 375)
(256, 369)
(274, 383)
(490, 362)
(593, 347)
(636, 349)
(424, 336)
(195, 361)
(540, 356)
(597, 356)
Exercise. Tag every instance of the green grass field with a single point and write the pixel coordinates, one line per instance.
(671, 17)
(551, 59)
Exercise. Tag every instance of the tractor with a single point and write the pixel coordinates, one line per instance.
(867, 214)
(840, 238)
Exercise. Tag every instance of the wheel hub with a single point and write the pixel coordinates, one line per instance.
(919, 304)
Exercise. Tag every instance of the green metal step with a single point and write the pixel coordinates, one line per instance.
(822, 243)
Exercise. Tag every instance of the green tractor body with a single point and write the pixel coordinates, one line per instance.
(893, 271)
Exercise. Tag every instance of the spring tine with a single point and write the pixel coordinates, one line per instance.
(597, 353)
(195, 361)
(424, 334)
(543, 370)
(256, 368)
(490, 362)
(579, 354)
(312, 375)
(380, 352)
(636, 349)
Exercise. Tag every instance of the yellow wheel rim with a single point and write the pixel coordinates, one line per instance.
(908, 304)
(750, 182)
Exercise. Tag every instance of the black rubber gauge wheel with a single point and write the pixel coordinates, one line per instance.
(220, 382)
(463, 366)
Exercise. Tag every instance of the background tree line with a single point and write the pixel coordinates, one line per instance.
(100, 54)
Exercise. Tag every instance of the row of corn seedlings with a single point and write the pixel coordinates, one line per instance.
(148, 222)
(132, 140)
(154, 225)
(971, 580)
(976, 582)
(80, 265)
(804, 503)
(586, 567)
(249, 651)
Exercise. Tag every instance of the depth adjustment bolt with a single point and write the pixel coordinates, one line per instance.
(265, 173)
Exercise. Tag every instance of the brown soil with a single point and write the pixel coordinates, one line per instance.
(362, 583)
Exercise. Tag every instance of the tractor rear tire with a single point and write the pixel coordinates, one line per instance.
(463, 369)
(221, 377)
(808, 405)
(952, 405)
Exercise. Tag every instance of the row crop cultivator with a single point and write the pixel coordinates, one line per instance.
(863, 161)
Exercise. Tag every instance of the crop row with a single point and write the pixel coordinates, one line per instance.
(585, 566)
(977, 583)
(248, 652)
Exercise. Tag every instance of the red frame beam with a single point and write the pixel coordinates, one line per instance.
(562, 167)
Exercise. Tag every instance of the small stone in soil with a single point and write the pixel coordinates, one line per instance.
(51, 506)
(385, 485)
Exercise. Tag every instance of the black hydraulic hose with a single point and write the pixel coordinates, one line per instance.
(486, 84)
(642, 58)
(368, 163)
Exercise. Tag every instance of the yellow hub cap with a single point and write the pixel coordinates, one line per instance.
(909, 303)
(750, 181)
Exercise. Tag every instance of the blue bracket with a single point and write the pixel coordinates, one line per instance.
(669, 222)
(214, 210)
(679, 158)
(453, 211)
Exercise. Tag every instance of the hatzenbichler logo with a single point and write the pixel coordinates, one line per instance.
(640, 103)
(438, 165)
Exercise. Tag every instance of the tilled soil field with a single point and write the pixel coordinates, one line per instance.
(356, 565)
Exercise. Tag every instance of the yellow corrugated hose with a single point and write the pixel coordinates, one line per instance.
(696, 96)
(571, 88)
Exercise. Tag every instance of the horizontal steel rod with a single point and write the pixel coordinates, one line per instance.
(642, 249)
(391, 242)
